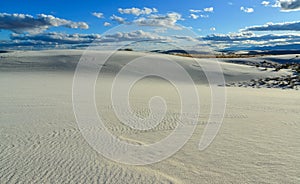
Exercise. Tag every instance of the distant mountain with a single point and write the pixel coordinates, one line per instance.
(276, 49)
(4, 51)
(180, 52)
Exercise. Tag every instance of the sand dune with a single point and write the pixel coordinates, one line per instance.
(41, 141)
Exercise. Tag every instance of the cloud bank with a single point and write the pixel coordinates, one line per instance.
(249, 36)
(249, 39)
(46, 40)
(57, 38)
(19, 23)
(285, 26)
(284, 5)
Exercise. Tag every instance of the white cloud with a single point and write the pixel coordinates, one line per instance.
(265, 3)
(106, 24)
(137, 11)
(209, 9)
(118, 19)
(169, 20)
(212, 28)
(26, 23)
(195, 11)
(276, 5)
(204, 16)
(247, 10)
(98, 15)
(193, 16)
(285, 26)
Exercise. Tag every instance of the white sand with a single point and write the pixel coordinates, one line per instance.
(41, 143)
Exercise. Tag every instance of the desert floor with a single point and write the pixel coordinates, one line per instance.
(41, 143)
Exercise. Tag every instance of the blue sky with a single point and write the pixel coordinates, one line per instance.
(206, 17)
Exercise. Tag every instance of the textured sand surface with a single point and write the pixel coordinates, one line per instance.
(41, 143)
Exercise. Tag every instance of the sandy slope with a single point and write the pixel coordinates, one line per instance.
(41, 143)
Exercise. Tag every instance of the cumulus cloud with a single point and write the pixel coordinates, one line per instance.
(169, 20)
(247, 10)
(98, 15)
(138, 35)
(285, 26)
(286, 5)
(289, 5)
(118, 19)
(194, 16)
(137, 11)
(265, 3)
(19, 23)
(209, 9)
(106, 24)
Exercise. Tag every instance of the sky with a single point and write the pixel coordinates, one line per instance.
(222, 24)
